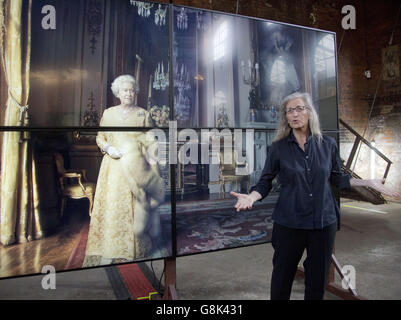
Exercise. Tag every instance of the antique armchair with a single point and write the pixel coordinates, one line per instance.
(233, 172)
(73, 184)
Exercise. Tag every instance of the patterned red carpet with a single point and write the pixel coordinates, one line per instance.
(224, 228)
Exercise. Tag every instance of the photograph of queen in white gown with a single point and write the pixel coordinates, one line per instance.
(125, 223)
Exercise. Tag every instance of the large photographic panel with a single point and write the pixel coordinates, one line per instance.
(222, 86)
(120, 210)
(232, 71)
(90, 208)
(73, 65)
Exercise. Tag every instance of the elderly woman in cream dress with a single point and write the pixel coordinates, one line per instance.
(125, 221)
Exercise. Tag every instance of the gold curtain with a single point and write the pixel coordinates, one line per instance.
(19, 203)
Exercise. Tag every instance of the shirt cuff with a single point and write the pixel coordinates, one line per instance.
(255, 188)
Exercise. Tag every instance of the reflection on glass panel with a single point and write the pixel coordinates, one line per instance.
(224, 161)
(233, 71)
(97, 200)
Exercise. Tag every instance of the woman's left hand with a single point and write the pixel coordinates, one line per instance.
(378, 185)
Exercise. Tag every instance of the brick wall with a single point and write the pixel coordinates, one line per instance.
(358, 50)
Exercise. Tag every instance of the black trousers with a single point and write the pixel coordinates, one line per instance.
(289, 245)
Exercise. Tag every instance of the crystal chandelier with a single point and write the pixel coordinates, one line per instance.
(160, 16)
(200, 21)
(143, 7)
(182, 20)
(161, 81)
(181, 78)
(181, 100)
(181, 106)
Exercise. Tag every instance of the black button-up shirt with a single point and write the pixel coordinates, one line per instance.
(306, 200)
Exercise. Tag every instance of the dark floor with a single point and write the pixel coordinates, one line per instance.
(369, 240)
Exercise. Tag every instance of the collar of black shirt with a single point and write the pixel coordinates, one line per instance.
(291, 137)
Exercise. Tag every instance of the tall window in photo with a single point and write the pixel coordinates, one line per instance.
(220, 41)
(325, 66)
(325, 81)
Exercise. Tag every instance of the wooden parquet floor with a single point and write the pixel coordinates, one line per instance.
(30, 257)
